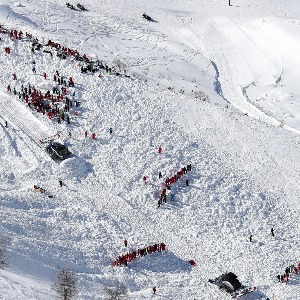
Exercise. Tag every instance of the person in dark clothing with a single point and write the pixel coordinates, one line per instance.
(272, 232)
(125, 243)
(287, 270)
(229, 3)
(60, 183)
(279, 278)
(187, 182)
(154, 290)
(6, 124)
(159, 175)
(250, 238)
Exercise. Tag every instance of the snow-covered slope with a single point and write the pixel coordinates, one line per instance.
(242, 142)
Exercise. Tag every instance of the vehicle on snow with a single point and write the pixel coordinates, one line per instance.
(81, 7)
(148, 18)
(57, 150)
(70, 5)
(229, 283)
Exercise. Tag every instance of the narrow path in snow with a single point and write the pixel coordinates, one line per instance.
(15, 113)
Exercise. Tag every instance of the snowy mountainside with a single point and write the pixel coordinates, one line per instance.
(244, 177)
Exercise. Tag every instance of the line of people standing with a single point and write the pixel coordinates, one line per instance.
(169, 181)
(131, 256)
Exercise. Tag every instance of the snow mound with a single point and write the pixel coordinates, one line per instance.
(18, 4)
(136, 117)
(75, 168)
(162, 262)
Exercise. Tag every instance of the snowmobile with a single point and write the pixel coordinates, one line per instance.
(81, 7)
(70, 6)
(148, 18)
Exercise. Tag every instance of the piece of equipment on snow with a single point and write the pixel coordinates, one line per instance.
(38, 189)
(148, 18)
(57, 150)
(81, 7)
(70, 5)
(229, 283)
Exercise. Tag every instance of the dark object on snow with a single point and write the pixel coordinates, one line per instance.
(148, 18)
(60, 183)
(70, 5)
(38, 189)
(272, 232)
(192, 262)
(81, 7)
(57, 150)
(229, 283)
(47, 51)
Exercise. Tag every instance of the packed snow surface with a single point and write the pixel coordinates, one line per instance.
(213, 85)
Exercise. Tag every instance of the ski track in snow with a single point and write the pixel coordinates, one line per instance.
(245, 172)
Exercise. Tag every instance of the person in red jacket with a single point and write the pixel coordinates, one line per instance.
(145, 179)
(86, 134)
(14, 76)
(125, 243)
(162, 247)
(8, 89)
(45, 75)
(159, 150)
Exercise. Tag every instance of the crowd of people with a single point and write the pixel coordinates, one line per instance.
(132, 255)
(171, 180)
(55, 103)
(292, 269)
(87, 65)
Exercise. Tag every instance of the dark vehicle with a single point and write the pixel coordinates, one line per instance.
(81, 7)
(229, 283)
(70, 5)
(148, 18)
(57, 150)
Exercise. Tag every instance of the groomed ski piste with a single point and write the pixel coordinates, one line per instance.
(213, 85)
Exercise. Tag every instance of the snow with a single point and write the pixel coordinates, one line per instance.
(214, 86)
